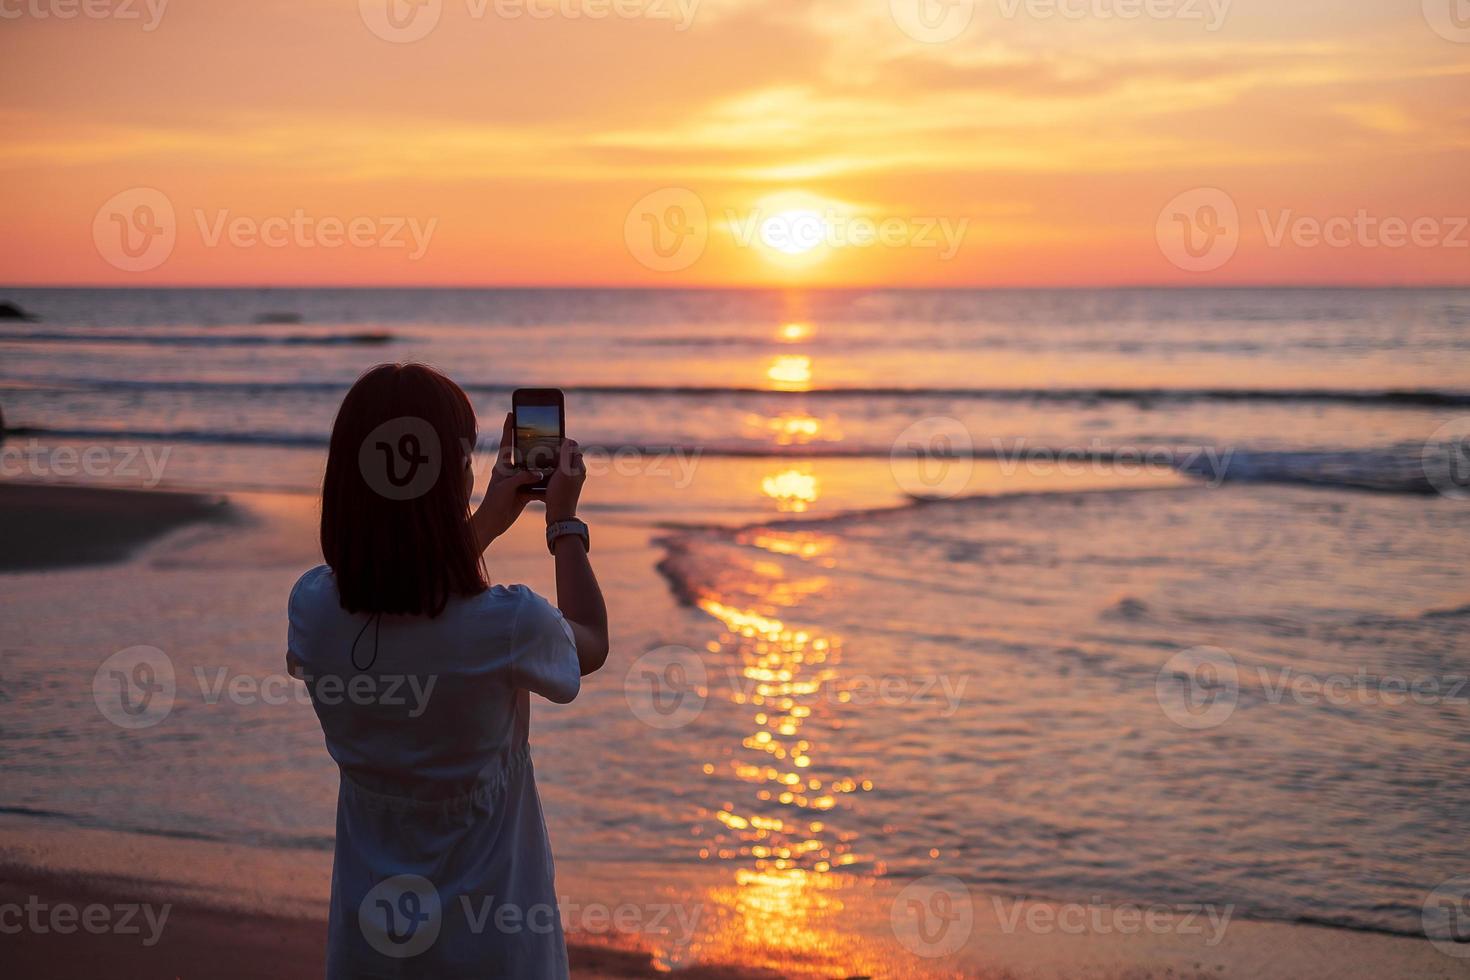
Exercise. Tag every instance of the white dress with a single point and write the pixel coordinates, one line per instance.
(442, 866)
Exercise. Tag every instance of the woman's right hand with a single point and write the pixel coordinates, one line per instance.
(565, 486)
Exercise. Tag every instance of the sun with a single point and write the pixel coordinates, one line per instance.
(793, 229)
(795, 232)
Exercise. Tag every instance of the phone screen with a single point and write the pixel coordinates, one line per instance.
(538, 437)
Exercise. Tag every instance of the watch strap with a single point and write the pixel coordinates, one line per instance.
(560, 529)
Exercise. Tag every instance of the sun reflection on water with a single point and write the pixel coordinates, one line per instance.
(790, 372)
(793, 490)
(790, 333)
(782, 831)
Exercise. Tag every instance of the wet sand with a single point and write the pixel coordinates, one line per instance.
(44, 527)
(236, 911)
(199, 941)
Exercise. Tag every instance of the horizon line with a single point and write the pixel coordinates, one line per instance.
(763, 287)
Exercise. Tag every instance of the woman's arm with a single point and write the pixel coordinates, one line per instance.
(577, 594)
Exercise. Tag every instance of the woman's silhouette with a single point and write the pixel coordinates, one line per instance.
(420, 673)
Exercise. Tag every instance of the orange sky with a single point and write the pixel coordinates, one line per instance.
(1049, 147)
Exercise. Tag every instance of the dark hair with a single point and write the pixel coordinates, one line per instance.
(395, 509)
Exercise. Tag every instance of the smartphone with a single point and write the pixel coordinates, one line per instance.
(539, 418)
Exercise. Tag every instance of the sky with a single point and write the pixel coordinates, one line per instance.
(691, 143)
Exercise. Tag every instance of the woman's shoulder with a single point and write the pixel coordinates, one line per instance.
(515, 599)
(315, 585)
(527, 608)
(511, 593)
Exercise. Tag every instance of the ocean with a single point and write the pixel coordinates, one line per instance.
(1095, 596)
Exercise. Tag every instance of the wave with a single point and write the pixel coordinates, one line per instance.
(1143, 397)
(279, 440)
(367, 338)
(1400, 469)
(1405, 469)
(310, 842)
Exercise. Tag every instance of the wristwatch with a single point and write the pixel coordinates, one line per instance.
(560, 529)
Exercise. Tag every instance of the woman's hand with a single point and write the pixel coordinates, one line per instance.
(565, 486)
(504, 498)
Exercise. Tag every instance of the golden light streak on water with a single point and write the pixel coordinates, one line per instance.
(790, 333)
(781, 795)
(793, 490)
(791, 372)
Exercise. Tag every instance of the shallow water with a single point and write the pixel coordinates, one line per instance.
(966, 663)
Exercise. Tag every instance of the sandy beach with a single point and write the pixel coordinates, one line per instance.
(250, 910)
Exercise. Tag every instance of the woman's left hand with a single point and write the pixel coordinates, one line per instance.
(504, 498)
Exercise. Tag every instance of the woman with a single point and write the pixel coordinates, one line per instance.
(420, 673)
